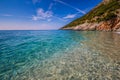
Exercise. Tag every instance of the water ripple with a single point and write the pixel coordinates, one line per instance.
(59, 55)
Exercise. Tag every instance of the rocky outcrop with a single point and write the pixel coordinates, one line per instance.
(111, 25)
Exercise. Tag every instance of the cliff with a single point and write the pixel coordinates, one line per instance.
(104, 17)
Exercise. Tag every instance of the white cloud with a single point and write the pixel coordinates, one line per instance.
(34, 18)
(49, 20)
(64, 3)
(45, 15)
(70, 16)
(42, 15)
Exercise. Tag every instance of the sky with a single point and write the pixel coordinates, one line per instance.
(42, 14)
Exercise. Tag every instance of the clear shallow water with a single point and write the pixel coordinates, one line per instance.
(59, 55)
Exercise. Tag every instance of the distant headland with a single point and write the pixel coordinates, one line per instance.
(104, 17)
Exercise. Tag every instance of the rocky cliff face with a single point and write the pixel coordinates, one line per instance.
(111, 25)
(104, 17)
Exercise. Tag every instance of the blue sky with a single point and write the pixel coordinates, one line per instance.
(41, 14)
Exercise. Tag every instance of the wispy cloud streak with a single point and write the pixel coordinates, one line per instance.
(64, 3)
(50, 6)
(70, 16)
(61, 19)
(6, 15)
(35, 1)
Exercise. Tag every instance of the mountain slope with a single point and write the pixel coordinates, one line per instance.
(104, 17)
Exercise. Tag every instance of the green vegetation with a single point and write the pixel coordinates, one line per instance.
(109, 16)
(103, 12)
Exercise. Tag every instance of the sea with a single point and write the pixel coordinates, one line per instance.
(59, 55)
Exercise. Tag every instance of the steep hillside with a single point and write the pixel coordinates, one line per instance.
(105, 17)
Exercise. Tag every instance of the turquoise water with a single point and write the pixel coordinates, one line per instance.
(59, 55)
